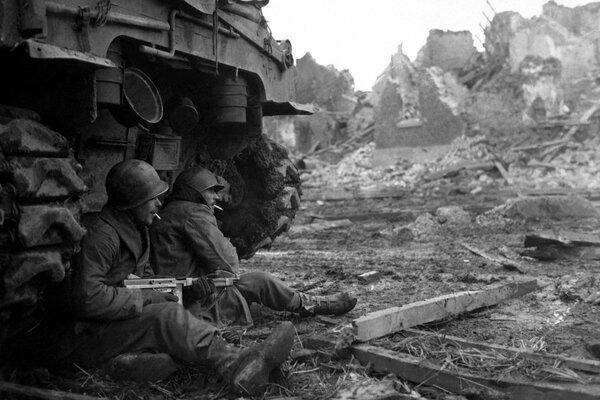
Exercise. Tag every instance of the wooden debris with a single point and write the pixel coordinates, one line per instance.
(537, 146)
(549, 155)
(563, 238)
(391, 320)
(580, 364)
(549, 246)
(455, 169)
(28, 391)
(509, 180)
(427, 373)
(369, 277)
(502, 261)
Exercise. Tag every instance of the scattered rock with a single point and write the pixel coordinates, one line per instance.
(453, 215)
(402, 235)
(369, 391)
(470, 277)
(593, 348)
(424, 225)
(576, 287)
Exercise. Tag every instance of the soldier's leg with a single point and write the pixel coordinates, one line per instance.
(264, 288)
(163, 327)
(169, 328)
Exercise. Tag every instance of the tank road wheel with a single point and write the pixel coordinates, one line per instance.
(39, 216)
(265, 195)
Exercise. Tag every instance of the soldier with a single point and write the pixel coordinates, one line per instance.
(187, 242)
(113, 320)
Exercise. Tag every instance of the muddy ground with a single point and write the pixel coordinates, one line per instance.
(552, 319)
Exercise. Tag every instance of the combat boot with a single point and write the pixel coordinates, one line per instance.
(336, 304)
(248, 370)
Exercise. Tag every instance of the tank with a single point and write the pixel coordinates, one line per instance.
(86, 84)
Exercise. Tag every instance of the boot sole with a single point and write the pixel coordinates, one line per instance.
(253, 376)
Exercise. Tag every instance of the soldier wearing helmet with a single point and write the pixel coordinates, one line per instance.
(113, 321)
(187, 242)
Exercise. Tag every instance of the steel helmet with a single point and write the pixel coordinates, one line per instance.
(131, 183)
(197, 178)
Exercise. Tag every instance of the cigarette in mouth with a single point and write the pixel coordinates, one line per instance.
(158, 217)
(218, 208)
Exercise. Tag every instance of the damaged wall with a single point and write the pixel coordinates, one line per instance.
(542, 87)
(448, 50)
(332, 91)
(569, 35)
(411, 108)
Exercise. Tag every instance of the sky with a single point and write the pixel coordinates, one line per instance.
(361, 36)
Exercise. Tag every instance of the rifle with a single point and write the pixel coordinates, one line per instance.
(174, 285)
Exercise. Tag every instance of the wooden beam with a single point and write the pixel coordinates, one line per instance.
(456, 168)
(427, 373)
(549, 155)
(391, 320)
(562, 238)
(38, 393)
(509, 180)
(579, 364)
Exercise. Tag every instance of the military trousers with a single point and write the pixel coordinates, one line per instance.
(162, 328)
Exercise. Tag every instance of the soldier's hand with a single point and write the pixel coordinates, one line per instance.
(153, 297)
(203, 288)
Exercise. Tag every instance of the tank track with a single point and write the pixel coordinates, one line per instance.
(39, 216)
(266, 192)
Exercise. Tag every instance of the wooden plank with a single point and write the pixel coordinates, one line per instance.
(509, 180)
(38, 393)
(579, 364)
(549, 155)
(562, 238)
(383, 322)
(502, 261)
(456, 168)
(537, 146)
(427, 373)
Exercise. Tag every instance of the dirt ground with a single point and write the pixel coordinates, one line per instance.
(548, 320)
(435, 263)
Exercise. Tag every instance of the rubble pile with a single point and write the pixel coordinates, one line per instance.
(576, 167)
(517, 114)
(356, 170)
